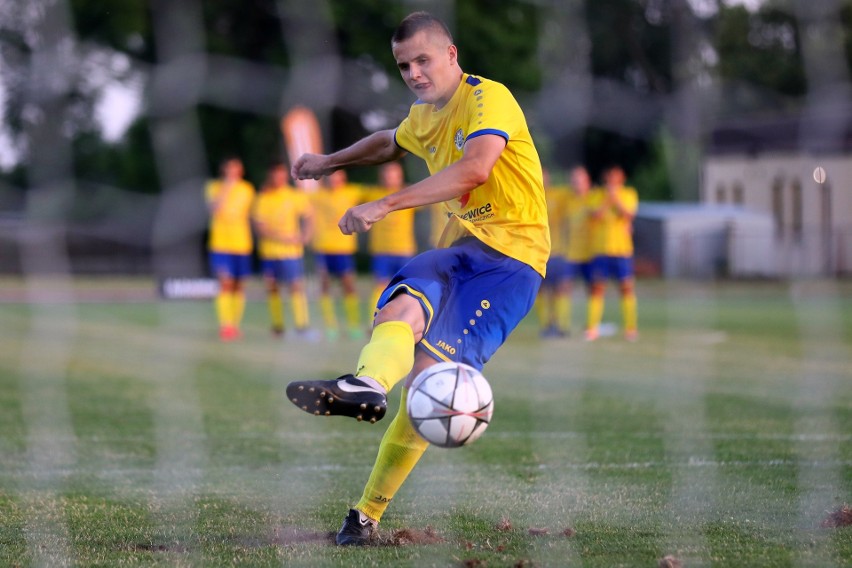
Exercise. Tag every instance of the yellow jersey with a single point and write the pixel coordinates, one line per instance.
(579, 247)
(612, 232)
(329, 206)
(557, 217)
(393, 235)
(230, 229)
(281, 210)
(508, 212)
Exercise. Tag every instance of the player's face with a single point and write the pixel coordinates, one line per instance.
(392, 175)
(615, 177)
(232, 170)
(278, 176)
(580, 181)
(427, 63)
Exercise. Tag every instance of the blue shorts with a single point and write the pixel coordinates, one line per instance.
(335, 264)
(282, 269)
(386, 265)
(612, 268)
(579, 269)
(472, 297)
(230, 265)
(557, 271)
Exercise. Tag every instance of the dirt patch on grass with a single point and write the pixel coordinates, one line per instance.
(842, 517)
(670, 561)
(408, 537)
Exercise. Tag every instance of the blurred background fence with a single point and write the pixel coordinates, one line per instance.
(115, 118)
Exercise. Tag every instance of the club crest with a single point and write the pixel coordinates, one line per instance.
(459, 139)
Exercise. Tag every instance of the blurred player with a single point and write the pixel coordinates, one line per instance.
(456, 303)
(578, 252)
(283, 218)
(335, 253)
(229, 200)
(553, 302)
(391, 240)
(611, 219)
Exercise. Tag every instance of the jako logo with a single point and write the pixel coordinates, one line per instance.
(443, 345)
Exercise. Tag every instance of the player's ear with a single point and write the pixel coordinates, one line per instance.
(453, 53)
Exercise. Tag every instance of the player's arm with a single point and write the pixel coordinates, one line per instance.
(377, 148)
(471, 171)
(214, 202)
(619, 206)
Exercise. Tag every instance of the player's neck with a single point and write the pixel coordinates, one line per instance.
(439, 105)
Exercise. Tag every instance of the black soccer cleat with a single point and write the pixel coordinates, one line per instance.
(357, 530)
(344, 396)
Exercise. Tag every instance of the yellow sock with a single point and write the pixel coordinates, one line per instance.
(399, 452)
(628, 311)
(595, 311)
(301, 317)
(238, 307)
(276, 309)
(225, 309)
(389, 355)
(329, 317)
(542, 310)
(352, 308)
(563, 312)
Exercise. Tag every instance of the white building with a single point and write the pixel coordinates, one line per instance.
(798, 170)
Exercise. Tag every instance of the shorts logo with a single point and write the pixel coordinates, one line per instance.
(459, 139)
(433, 149)
(448, 348)
(485, 304)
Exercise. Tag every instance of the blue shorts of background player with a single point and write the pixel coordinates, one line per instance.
(472, 295)
(234, 266)
(384, 266)
(282, 270)
(574, 270)
(335, 264)
(618, 268)
(557, 271)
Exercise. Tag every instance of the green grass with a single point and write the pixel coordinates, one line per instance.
(130, 436)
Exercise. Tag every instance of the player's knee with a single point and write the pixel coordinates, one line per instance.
(406, 309)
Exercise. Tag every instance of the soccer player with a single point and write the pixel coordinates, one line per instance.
(283, 219)
(553, 303)
(391, 240)
(456, 303)
(229, 200)
(335, 253)
(611, 220)
(578, 252)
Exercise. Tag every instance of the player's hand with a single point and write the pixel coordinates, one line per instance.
(311, 166)
(360, 218)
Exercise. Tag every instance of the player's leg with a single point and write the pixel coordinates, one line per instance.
(351, 303)
(274, 304)
(627, 287)
(596, 298)
(221, 265)
(329, 316)
(399, 452)
(562, 306)
(384, 361)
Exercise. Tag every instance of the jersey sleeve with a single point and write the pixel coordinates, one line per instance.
(403, 136)
(491, 109)
(630, 200)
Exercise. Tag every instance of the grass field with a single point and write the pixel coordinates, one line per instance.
(130, 436)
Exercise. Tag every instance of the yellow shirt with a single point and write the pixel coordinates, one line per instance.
(612, 233)
(281, 209)
(329, 206)
(394, 234)
(557, 217)
(230, 230)
(508, 212)
(579, 247)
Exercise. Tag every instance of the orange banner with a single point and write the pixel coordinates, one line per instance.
(302, 134)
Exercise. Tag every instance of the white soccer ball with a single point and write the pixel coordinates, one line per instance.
(450, 404)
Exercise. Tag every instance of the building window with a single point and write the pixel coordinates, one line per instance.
(738, 194)
(720, 193)
(778, 205)
(796, 190)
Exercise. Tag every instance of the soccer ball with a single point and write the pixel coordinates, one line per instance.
(450, 404)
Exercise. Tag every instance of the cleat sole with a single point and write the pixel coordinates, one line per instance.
(322, 400)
